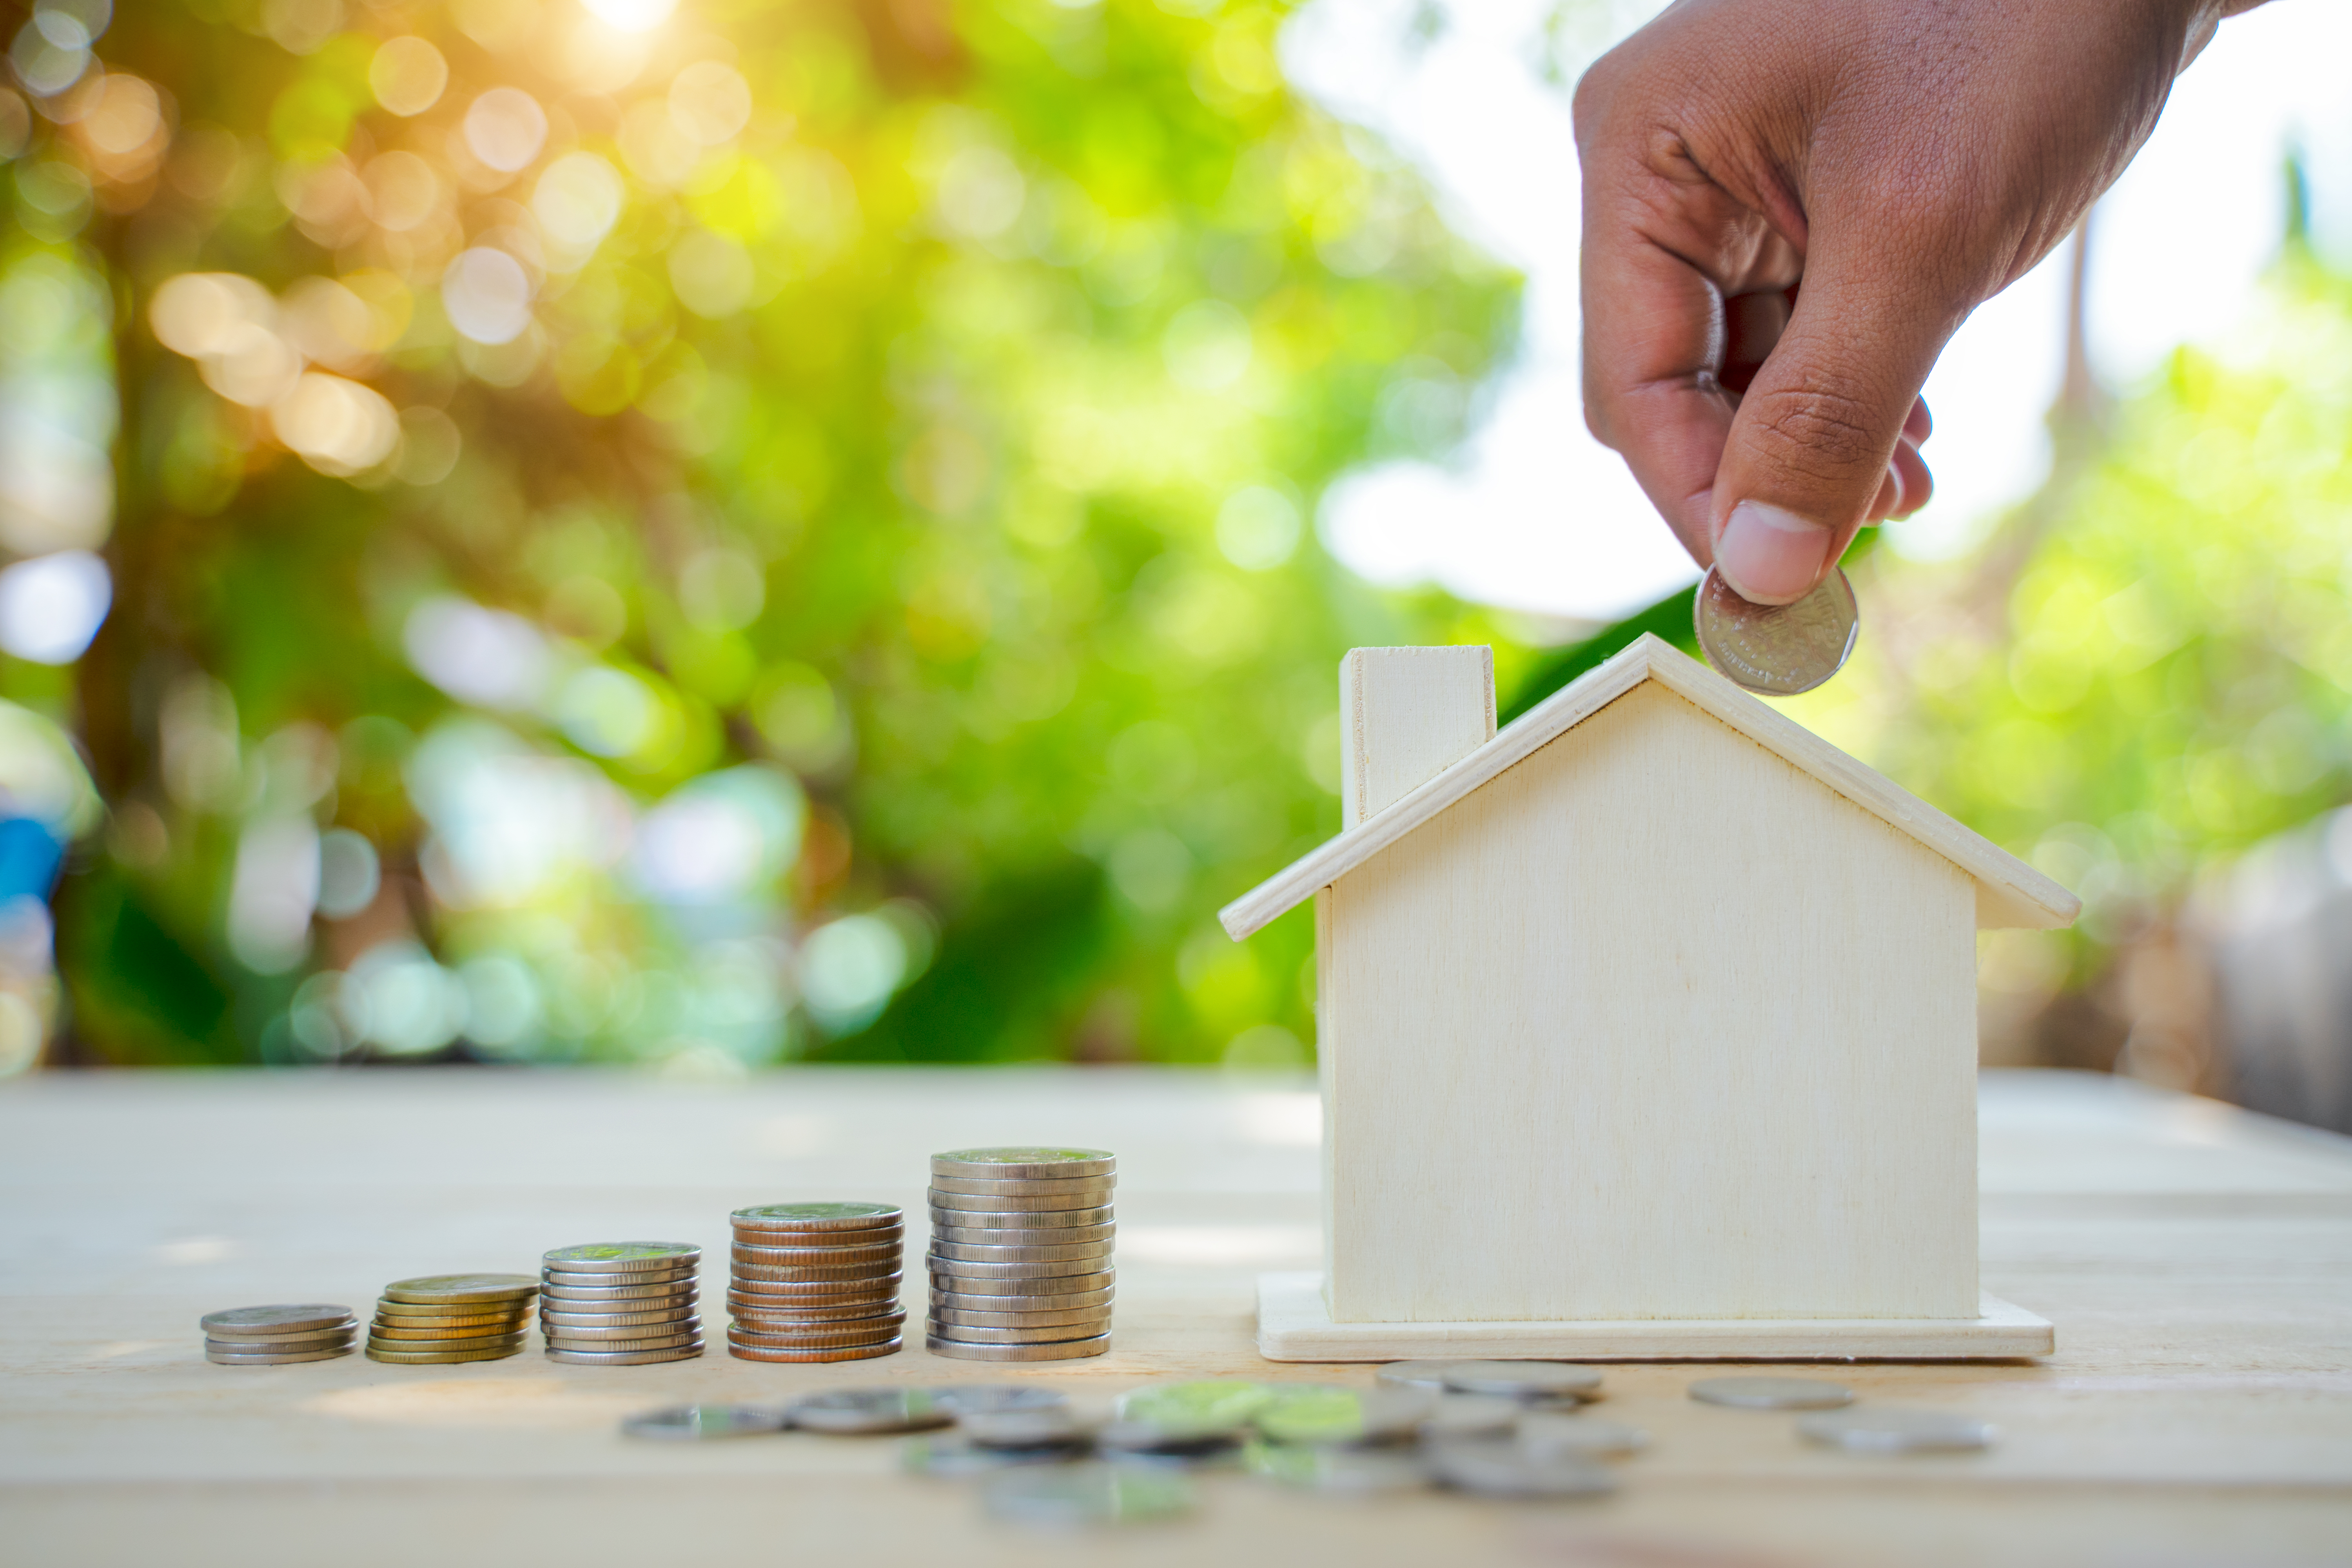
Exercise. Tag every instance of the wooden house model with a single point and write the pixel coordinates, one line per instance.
(1647, 1030)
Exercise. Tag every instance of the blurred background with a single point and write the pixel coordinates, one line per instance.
(713, 532)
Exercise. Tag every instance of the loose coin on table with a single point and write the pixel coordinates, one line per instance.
(1094, 1492)
(1881, 1429)
(621, 1303)
(952, 1455)
(1344, 1472)
(1498, 1467)
(1313, 1414)
(869, 1410)
(1558, 1432)
(1778, 650)
(1771, 1393)
(1529, 1379)
(694, 1423)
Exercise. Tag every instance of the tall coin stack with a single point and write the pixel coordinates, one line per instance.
(817, 1281)
(1021, 1254)
(620, 1303)
(447, 1318)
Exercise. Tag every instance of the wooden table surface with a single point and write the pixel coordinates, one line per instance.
(2196, 1260)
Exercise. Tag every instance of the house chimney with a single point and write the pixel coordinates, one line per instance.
(1406, 714)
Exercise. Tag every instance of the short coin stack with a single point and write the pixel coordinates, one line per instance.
(446, 1317)
(816, 1282)
(271, 1336)
(620, 1303)
(1021, 1254)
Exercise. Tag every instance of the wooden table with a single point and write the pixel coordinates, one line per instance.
(2198, 1262)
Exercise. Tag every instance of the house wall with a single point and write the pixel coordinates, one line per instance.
(1651, 1026)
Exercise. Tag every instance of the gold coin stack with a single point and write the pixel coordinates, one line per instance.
(621, 1303)
(444, 1318)
(816, 1282)
(1021, 1254)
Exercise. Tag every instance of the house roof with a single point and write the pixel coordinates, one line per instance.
(2009, 892)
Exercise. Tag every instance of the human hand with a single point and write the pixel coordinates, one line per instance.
(1790, 206)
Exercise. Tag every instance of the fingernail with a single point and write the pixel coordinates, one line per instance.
(1771, 556)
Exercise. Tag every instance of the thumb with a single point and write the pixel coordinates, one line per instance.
(1810, 454)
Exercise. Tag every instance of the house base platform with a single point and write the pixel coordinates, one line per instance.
(1293, 1325)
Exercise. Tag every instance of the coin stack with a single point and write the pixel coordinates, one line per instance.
(446, 1317)
(816, 1282)
(620, 1303)
(1021, 1254)
(270, 1336)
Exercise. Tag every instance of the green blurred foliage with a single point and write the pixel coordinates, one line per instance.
(903, 465)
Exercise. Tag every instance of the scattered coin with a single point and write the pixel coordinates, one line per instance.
(797, 1217)
(1882, 1429)
(1027, 1429)
(954, 1456)
(1471, 1416)
(1429, 1374)
(239, 1322)
(1771, 1393)
(967, 1399)
(1021, 1164)
(701, 1423)
(1498, 1467)
(1205, 1407)
(1558, 1432)
(437, 1289)
(1523, 1379)
(1321, 1416)
(1346, 1472)
(621, 1257)
(1094, 1492)
(870, 1410)
(1778, 650)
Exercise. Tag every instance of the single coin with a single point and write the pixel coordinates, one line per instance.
(1060, 1350)
(1884, 1429)
(799, 1312)
(1342, 1472)
(645, 1336)
(1056, 1334)
(623, 1357)
(1323, 1414)
(311, 1341)
(615, 1320)
(962, 1400)
(953, 1456)
(1523, 1379)
(620, 1257)
(1778, 650)
(274, 1357)
(1471, 1416)
(1027, 1428)
(664, 1276)
(1089, 1316)
(1093, 1270)
(1079, 1252)
(237, 1322)
(1044, 1186)
(1066, 1496)
(1063, 1301)
(844, 1353)
(1199, 1406)
(1072, 1209)
(1558, 1432)
(818, 1217)
(701, 1422)
(1771, 1393)
(439, 1357)
(437, 1336)
(1429, 1374)
(736, 1336)
(468, 1343)
(818, 1289)
(1054, 1236)
(1498, 1467)
(858, 1411)
(433, 1289)
(1014, 1165)
(686, 1287)
(859, 1259)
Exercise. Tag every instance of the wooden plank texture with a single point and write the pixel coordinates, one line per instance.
(1651, 1026)
(2198, 1411)
(2009, 892)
